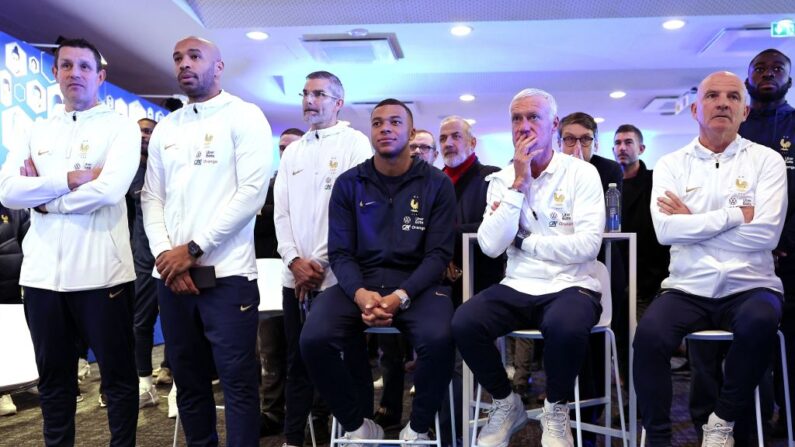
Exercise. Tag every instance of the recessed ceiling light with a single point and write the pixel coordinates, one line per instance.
(673, 24)
(358, 32)
(471, 121)
(460, 30)
(257, 35)
(599, 120)
(618, 94)
(466, 97)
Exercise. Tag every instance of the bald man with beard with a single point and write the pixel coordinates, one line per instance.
(206, 179)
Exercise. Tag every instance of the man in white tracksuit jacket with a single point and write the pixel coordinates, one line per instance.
(307, 172)
(77, 268)
(206, 179)
(720, 203)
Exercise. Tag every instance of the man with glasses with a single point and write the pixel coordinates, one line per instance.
(423, 146)
(307, 173)
(578, 136)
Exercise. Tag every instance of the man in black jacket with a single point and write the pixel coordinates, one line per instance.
(390, 240)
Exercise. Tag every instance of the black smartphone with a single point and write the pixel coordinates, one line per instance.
(203, 276)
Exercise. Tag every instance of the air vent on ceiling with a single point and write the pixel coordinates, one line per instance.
(344, 48)
(743, 41)
(662, 105)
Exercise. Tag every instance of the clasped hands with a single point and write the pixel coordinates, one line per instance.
(173, 266)
(377, 310)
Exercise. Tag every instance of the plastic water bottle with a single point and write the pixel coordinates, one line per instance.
(613, 209)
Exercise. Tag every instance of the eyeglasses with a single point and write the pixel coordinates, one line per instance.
(572, 141)
(421, 147)
(316, 94)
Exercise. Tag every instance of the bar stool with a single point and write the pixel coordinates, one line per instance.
(337, 430)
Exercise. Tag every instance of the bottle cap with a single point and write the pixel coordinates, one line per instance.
(612, 185)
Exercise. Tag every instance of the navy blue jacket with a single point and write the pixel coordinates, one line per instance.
(143, 259)
(378, 241)
(776, 129)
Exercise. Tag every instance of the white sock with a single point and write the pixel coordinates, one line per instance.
(145, 382)
(714, 420)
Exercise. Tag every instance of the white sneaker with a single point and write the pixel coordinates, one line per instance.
(172, 402)
(147, 396)
(413, 390)
(368, 430)
(555, 426)
(7, 407)
(102, 402)
(718, 433)
(506, 417)
(83, 370)
(379, 384)
(408, 434)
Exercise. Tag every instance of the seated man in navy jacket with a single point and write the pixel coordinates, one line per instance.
(390, 240)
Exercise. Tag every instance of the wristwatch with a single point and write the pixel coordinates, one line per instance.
(405, 301)
(521, 235)
(194, 250)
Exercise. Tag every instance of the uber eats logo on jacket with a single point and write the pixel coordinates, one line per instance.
(413, 221)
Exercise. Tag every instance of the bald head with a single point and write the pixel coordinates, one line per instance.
(200, 43)
(198, 66)
(719, 109)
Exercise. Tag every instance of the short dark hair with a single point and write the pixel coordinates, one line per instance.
(583, 119)
(79, 43)
(769, 51)
(292, 131)
(334, 81)
(630, 128)
(396, 102)
(148, 119)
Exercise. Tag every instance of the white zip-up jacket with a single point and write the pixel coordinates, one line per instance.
(307, 172)
(713, 253)
(83, 242)
(564, 210)
(206, 178)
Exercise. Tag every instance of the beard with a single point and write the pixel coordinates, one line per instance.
(766, 97)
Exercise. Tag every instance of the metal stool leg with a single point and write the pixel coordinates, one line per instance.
(614, 355)
(176, 430)
(758, 411)
(784, 372)
(478, 396)
(311, 429)
(452, 415)
(577, 414)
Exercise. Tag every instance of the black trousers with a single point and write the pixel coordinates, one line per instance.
(103, 318)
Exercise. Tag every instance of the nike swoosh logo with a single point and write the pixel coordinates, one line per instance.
(45, 151)
(245, 308)
(362, 204)
(439, 294)
(298, 171)
(168, 146)
(114, 295)
(691, 189)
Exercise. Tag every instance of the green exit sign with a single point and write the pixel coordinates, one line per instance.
(782, 28)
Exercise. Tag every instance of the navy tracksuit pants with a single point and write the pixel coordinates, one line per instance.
(217, 326)
(103, 318)
(145, 308)
(299, 392)
(752, 316)
(334, 326)
(565, 319)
